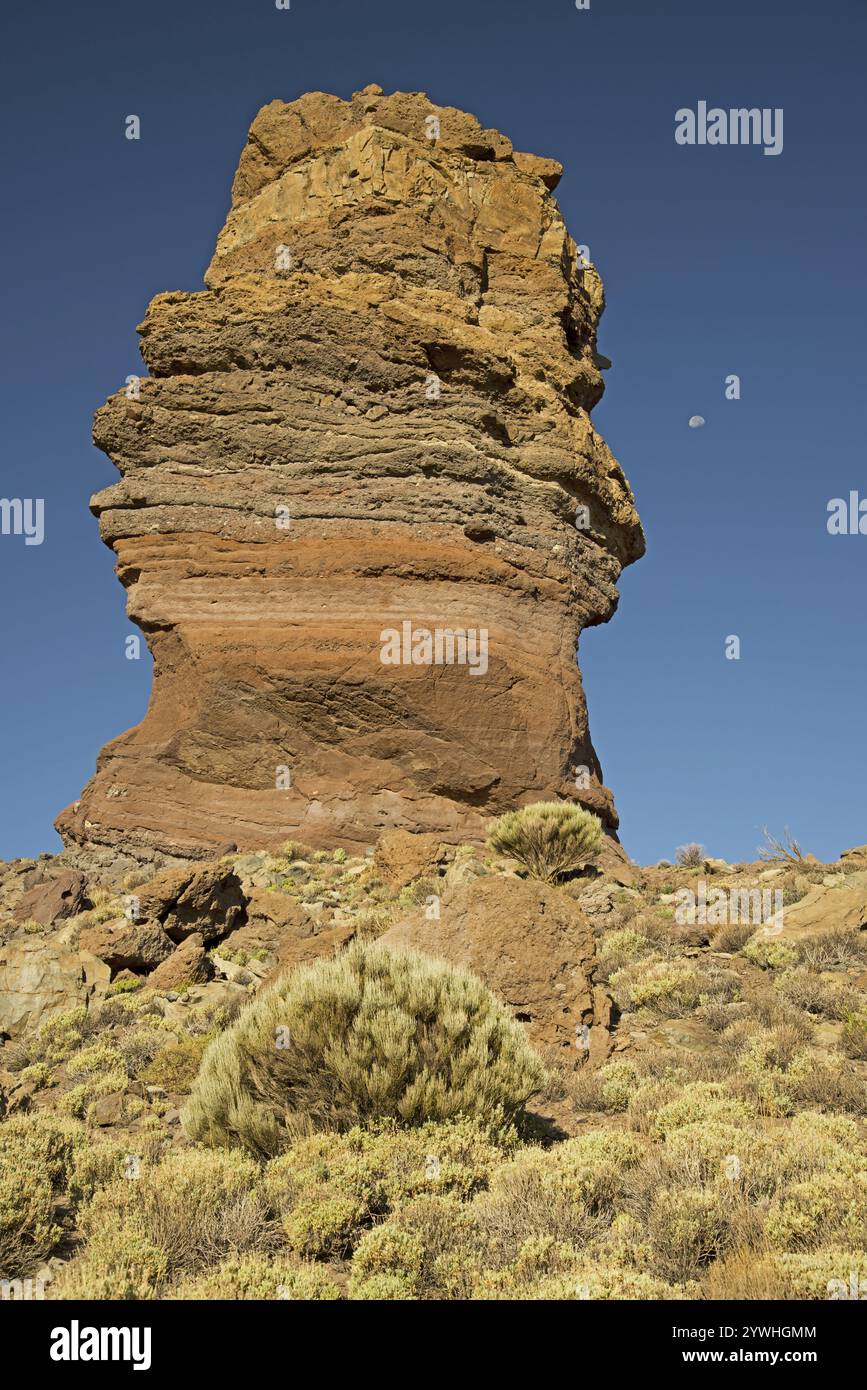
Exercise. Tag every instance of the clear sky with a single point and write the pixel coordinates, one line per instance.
(716, 260)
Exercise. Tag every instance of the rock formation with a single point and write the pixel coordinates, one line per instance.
(368, 436)
(532, 945)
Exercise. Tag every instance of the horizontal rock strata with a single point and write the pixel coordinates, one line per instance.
(374, 419)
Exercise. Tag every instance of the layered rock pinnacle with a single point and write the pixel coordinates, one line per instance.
(367, 436)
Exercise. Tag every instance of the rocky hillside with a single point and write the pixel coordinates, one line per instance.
(701, 1131)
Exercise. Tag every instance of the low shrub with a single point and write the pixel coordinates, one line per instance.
(732, 937)
(550, 838)
(118, 1263)
(688, 1228)
(176, 1066)
(28, 1230)
(853, 1039)
(690, 856)
(428, 1249)
(764, 1275)
(619, 948)
(671, 988)
(165, 1220)
(374, 1033)
(827, 1208)
(608, 1088)
(260, 1277)
(570, 1192)
(838, 948)
(770, 953)
(806, 989)
(54, 1041)
(704, 1102)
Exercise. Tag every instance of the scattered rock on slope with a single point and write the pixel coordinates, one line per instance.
(53, 899)
(529, 942)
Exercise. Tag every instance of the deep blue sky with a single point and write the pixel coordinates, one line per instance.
(715, 260)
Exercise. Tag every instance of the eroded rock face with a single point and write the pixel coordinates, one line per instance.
(374, 421)
(40, 978)
(824, 909)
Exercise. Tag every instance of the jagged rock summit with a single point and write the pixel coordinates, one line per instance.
(363, 515)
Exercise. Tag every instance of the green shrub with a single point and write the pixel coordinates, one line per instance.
(609, 1088)
(54, 1042)
(97, 1060)
(823, 1274)
(119, 1263)
(687, 1228)
(127, 985)
(27, 1227)
(427, 1249)
(618, 948)
(829, 1207)
(770, 953)
(854, 1036)
(97, 1164)
(569, 1191)
(328, 1188)
(260, 1277)
(321, 1226)
(672, 988)
(95, 1086)
(106, 906)
(44, 1142)
(806, 989)
(374, 1033)
(382, 1288)
(389, 1250)
(547, 1270)
(703, 1102)
(549, 839)
(167, 1220)
(38, 1075)
(36, 1153)
(175, 1067)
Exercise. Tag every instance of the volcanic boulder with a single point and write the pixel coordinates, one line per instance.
(532, 945)
(363, 516)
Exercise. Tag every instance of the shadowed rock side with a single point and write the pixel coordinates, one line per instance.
(376, 413)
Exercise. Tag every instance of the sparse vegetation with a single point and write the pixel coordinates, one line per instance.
(785, 851)
(732, 937)
(690, 856)
(718, 1152)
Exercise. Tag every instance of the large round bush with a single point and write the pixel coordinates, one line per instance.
(374, 1033)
